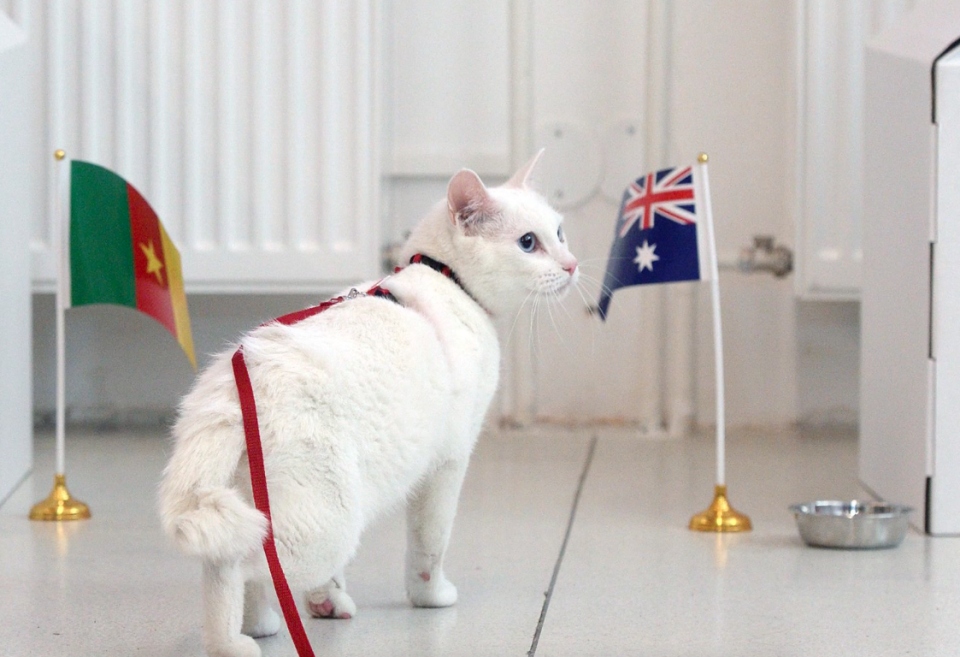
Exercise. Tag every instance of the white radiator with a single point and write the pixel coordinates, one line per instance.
(249, 125)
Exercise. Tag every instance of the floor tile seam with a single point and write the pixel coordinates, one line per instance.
(16, 487)
(548, 594)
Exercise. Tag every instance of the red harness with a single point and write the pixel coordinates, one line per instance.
(258, 478)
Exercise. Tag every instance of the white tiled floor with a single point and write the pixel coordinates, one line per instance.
(634, 580)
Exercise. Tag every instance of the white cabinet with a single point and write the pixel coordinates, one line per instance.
(910, 363)
(830, 51)
(16, 437)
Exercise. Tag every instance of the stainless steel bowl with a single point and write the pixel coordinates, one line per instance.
(854, 524)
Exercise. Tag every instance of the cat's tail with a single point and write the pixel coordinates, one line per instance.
(199, 509)
(221, 526)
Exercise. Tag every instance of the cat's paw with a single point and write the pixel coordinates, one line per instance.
(425, 591)
(242, 646)
(266, 623)
(330, 602)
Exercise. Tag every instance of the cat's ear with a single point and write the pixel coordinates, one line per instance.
(466, 193)
(522, 177)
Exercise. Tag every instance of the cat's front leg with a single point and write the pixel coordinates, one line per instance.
(430, 516)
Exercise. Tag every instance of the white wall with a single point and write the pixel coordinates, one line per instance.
(731, 96)
(731, 91)
(828, 363)
(123, 367)
(728, 91)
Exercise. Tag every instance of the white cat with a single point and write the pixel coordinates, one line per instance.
(364, 407)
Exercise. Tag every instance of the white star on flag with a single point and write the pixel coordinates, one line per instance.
(646, 256)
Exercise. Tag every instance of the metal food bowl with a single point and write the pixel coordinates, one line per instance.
(854, 525)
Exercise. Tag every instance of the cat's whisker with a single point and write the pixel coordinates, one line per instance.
(562, 305)
(579, 290)
(607, 259)
(536, 331)
(593, 281)
(587, 276)
(593, 284)
(533, 319)
(593, 326)
(565, 305)
(519, 312)
(552, 321)
(533, 313)
(591, 278)
(590, 261)
(540, 328)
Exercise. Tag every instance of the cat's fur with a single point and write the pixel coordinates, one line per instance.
(366, 406)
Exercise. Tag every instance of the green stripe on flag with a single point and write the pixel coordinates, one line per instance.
(101, 249)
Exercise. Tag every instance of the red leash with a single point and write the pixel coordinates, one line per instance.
(258, 477)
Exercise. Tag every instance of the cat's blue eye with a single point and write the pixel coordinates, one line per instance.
(560, 233)
(528, 242)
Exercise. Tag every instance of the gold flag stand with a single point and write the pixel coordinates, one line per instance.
(720, 516)
(59, 505)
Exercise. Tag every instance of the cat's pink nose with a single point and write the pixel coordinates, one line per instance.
(570, 267)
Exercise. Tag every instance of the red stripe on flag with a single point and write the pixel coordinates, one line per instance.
(660, 197)
(149, 266)
(673, 215)
(676, 177)
(649, 199)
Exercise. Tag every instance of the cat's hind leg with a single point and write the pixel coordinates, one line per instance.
(259, 618)
(430, 516)
(326, 521)
(223, 612)
(331, 600)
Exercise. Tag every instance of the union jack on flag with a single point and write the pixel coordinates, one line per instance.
(656, 238)
(666, 195)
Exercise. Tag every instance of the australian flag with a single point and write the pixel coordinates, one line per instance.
(656, 239)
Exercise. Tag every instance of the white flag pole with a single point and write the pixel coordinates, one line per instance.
(59, 505)
(717, 329)
(62, 243)
(719, 516)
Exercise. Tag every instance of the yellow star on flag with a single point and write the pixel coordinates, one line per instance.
(153, 262)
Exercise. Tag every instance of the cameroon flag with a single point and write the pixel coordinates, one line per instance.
(120, 253)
